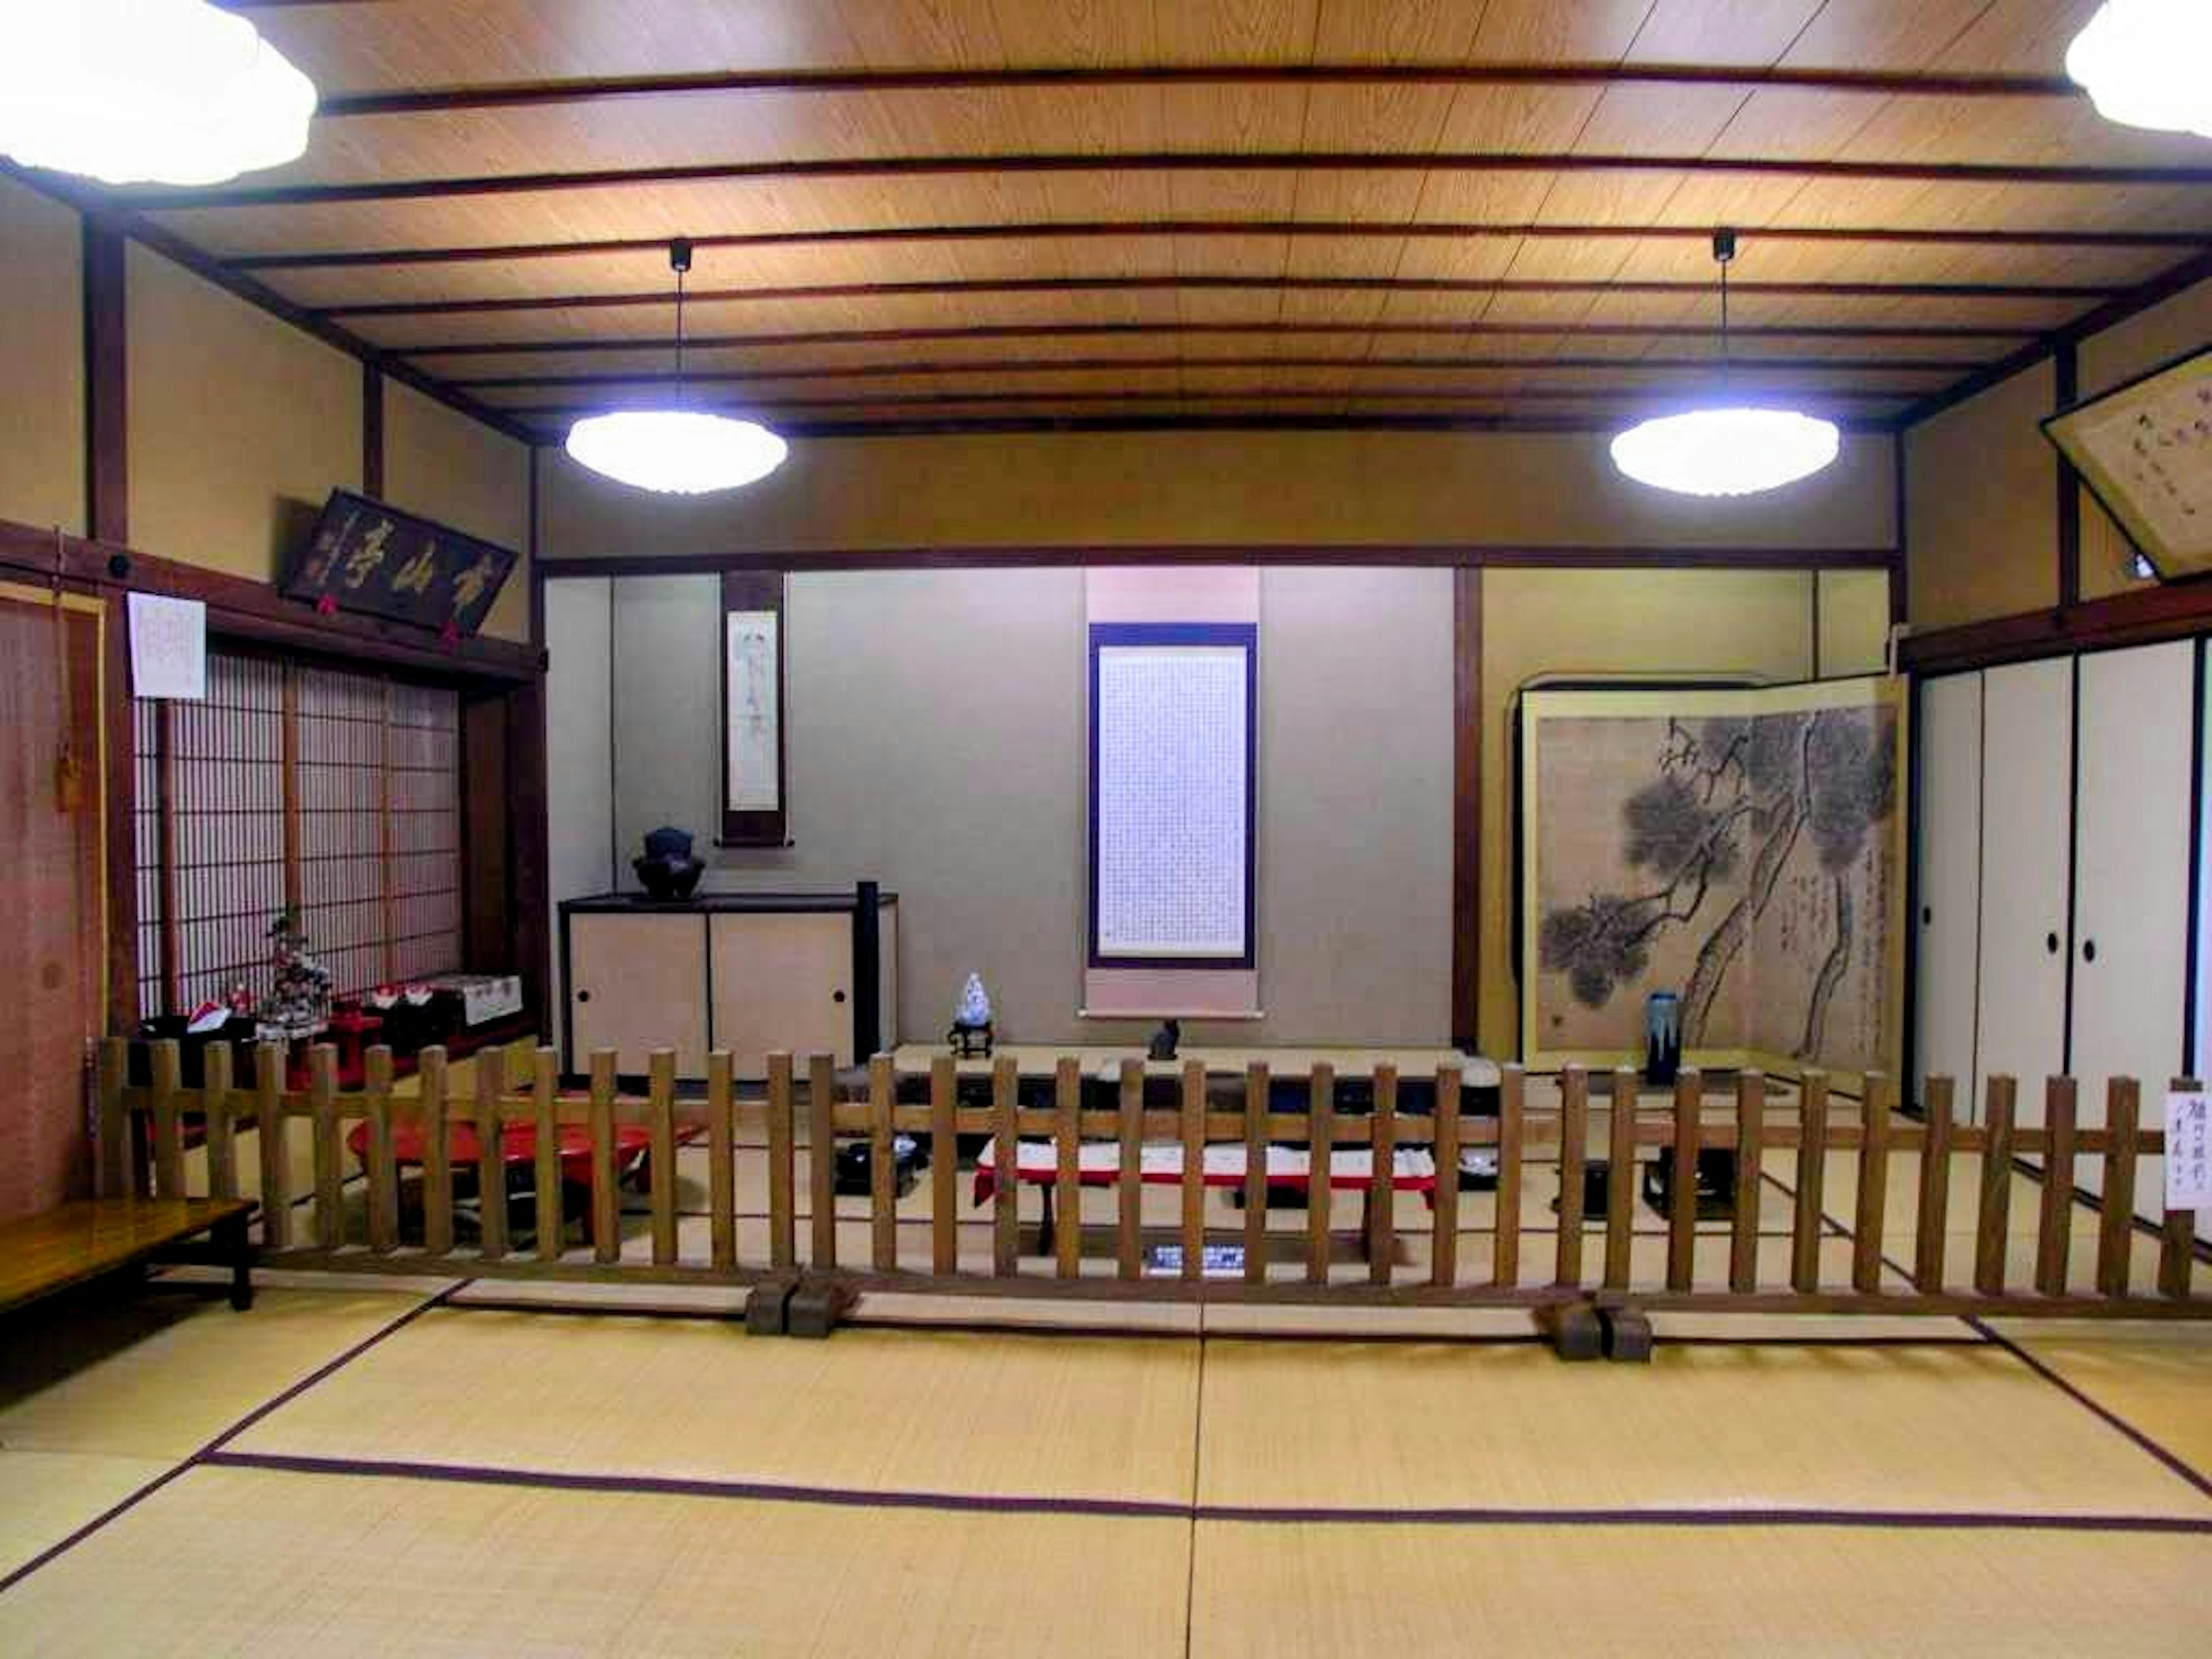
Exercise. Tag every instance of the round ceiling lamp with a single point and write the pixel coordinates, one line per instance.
(1733, 449)
(678, 451)
(128, 92)
(2143, 62)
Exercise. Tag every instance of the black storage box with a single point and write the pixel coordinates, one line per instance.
(191, 1064)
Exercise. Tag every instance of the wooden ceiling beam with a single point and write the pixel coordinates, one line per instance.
(1886, 84)
(1118, 230)
(1558, 394)
(893, 369)
(1124, 331)
(1233, 161)
(2067, 291)
(997, 425)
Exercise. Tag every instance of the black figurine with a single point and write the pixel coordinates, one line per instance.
(1164, 1040)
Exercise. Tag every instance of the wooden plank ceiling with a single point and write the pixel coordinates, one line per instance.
(990, 213)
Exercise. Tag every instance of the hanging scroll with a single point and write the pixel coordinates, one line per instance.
(754, 811)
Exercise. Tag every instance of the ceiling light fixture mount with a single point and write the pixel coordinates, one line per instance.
(2144, 64)
(677, 451)
(146, 92)
(1731, 448)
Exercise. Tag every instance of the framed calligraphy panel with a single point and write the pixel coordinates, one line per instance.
(368, 557)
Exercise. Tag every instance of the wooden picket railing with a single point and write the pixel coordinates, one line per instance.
(161, 1115)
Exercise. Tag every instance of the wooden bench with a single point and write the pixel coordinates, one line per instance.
(53, 1250)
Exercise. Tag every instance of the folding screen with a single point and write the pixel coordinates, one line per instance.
(1744, 849)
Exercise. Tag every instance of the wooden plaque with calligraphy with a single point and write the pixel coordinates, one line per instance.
(366, 557)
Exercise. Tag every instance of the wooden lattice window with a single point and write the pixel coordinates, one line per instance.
(333, 791)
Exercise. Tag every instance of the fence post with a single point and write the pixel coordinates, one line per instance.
(1006, 1158)
(721, 1162)
(1193, 1171)
(660, 1109)
(1321, 1164)
(822, 1159)
(1574, 1156)
(437, 1154)
(883, 1166)
(1993, 1221)
(944, 1166)
(1505, 1246)
(1935, 1208)
(330, 1175)
(270, 1141)
(1682, 1193)
(1382, 1184)
(783, 1166)
(551, 1219)
(1443, 1158)
(1130, 1185)
(168, 1141)
(1750, 1186)
(1873, 1209)
(1620, 1180)
(1256, 1173)
(2054, 1230)
(2115, 1227)
(222, 1139)
(383, 1171)
(1068, 1177)
(1812, 1180)
(606, 1211)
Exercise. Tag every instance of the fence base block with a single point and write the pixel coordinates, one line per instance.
(815, 1306)
(767, 1306)
(1627, 1336)
(1575, 1329)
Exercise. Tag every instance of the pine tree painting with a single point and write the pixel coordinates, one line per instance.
(1743, 861)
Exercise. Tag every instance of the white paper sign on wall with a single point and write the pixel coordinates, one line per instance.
(168, 648)
(2188, 1151)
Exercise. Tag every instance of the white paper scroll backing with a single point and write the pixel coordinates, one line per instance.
(168, 648)
(2188, 1152)
(754, 685)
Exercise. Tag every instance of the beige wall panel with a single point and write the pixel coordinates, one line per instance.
(1603, 624)
(1981, 480)
(938, 744)
(1371, 489)
(240, 425)
(440, 464)
(41, 361)
(2181, 326)
(1854, 621)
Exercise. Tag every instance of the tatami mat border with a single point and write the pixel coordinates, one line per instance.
(1132, 1509)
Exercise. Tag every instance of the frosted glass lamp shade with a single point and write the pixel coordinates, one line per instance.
(676, 451)
(2148, 64)
(170, 92)
(1726, 452)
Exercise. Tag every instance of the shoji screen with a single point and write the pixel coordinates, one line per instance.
(334, 790)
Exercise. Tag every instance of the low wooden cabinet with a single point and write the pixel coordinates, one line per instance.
(750, 972)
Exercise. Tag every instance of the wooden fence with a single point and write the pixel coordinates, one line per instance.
(1592, 1257)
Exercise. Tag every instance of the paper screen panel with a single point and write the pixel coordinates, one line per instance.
(228, 769)
(426, 830)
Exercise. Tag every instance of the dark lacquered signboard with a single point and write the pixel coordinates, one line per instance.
(368, 557)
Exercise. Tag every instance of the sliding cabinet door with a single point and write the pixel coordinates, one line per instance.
(2131, 883)
(2026, 822)
(1948, 756)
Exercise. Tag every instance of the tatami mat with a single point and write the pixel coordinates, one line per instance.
(251, 1562)
(2158, 1378)
(1342, 1592)
(1935, 1429)
(46, 1496)
(160, 1375)
(870, 1410)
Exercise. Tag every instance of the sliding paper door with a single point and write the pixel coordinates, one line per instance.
(1948, 762)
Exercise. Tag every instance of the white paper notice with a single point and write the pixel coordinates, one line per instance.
(750, 725)
(168, 648)
(2188, 1152)
(1172, 785)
